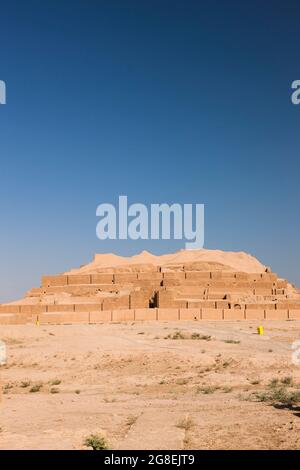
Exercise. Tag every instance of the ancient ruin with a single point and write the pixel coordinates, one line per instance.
(187, 285)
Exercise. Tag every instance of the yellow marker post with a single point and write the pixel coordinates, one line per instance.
(37, 323)
(260, 330)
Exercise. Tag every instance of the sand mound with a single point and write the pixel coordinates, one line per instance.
(201, 259)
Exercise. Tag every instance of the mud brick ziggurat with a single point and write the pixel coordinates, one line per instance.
(187, 285)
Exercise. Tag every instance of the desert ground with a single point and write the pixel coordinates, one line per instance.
(151, 385)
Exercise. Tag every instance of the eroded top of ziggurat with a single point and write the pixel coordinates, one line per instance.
(190, 283)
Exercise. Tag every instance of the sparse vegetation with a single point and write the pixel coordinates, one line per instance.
(54, 390)
(193, 336)
(279, 392)
(226, 389)
(96, 442)
(25, 383)
(232, 341)
(287, 381)
(55, 382)
(200, 336)
(207, 390)
(7, 387)
(131, 420)
(186, 423)
(279, 395)
(36, 388)
(273, 383)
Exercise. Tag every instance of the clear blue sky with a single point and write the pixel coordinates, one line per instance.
(165, 101)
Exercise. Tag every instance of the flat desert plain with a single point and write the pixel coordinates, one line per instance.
(152, 385)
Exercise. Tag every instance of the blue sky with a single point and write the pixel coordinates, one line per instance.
(164, 101)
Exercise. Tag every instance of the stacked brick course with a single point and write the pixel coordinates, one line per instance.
(172, 293)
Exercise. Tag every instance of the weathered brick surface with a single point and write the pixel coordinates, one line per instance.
(64, 318)
(276, 314)
(168, 314)
(123, 315)
(100, 316)
(233, 314)
(61, 308)
(211, 314)
(189, 314)
(294, 314)
(78, 279)
(145, 314)
(53, 281)
(255, 314)
(13, 319)
(102, 278)
(10, 309)
(124, 278)
(139, 299)
(198, 275)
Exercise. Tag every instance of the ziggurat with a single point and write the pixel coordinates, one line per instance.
(188, 285)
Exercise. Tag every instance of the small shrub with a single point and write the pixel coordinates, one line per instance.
(232, 341)
(273, 383)
(131, 420)
(177, 335)
(35, 388)
(25, 383)
(287, 381)
(55, 382)
(186, 423)
(279, 395)
(96, 442)
(201, 337)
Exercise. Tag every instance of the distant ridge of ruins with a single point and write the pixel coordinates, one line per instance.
(187, 285)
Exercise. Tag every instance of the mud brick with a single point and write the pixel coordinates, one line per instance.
(276, 314)
(53, 281)
(255, 314)
(168, 314)
(101, 316)
(211, 314)
(145, 314)
(189, 313)
(123, 315)
(234, 314)
(77, 279)
(102, 278)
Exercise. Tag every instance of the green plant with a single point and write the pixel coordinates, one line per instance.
(200, 336)
(279, 395)
(273, 383)
(35, 388)
(25, 383)
(96, 442)
(55, 382)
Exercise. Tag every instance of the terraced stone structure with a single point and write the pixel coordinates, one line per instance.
(183, 286)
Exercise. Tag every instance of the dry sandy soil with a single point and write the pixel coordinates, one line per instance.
(142, 389)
